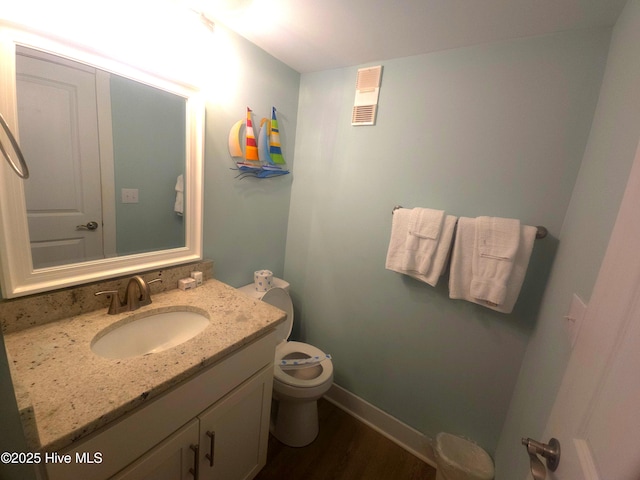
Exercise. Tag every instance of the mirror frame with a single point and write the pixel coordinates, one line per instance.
(17, 276)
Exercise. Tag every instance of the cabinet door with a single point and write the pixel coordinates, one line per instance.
(234, 432)
(170, 460)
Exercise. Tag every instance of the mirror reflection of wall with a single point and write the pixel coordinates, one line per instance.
(88, 135)
(149, 155)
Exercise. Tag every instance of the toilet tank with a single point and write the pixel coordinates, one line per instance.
(278, 282)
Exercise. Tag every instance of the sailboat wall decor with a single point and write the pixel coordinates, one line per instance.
(260, 158)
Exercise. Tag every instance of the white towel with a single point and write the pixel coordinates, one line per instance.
(496, 244)
(399, 231)
(424, 229)
(179, 204)
(397, 247)
(441, 255)
(461, 259)
(426, 223)
(462, 264)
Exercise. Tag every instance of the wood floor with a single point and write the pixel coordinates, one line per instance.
(346, 449)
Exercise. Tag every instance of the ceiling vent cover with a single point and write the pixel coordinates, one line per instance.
(367, 90)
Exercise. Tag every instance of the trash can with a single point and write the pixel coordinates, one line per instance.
(461, 459)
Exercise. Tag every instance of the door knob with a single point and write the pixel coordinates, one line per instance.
(550, 451)
(88, 226)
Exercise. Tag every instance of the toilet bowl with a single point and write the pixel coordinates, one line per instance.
(302, 374)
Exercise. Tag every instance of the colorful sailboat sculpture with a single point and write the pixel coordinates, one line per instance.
(262, 158)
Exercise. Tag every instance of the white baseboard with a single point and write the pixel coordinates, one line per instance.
(400, 433)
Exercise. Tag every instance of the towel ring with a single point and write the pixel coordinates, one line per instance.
(541, 233)
(23, 171)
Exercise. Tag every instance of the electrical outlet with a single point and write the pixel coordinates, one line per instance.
(129, 195)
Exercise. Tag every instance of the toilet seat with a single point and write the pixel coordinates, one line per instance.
(279, 297)
(287, 348)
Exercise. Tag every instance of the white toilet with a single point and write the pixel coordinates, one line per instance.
(302, 374)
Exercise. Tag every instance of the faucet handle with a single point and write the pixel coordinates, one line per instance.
(115, 305)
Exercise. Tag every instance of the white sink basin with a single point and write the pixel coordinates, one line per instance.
(151, 333)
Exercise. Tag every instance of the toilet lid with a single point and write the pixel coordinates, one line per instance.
(278, 297)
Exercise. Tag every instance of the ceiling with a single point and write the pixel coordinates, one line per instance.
(313, 35)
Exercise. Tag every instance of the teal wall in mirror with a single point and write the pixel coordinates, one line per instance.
(149, 148)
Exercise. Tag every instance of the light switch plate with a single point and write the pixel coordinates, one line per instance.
(574, 318)
(129, 195)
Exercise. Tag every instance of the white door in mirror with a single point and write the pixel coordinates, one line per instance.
(57, 121)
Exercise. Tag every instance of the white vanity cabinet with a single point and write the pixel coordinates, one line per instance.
(173, 459)
(229, 445)
(224, 410)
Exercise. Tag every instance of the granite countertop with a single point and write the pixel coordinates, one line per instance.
(65, 391)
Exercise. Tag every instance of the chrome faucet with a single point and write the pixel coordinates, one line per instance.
(132, 300)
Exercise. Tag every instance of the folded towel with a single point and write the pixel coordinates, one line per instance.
(461, 273)
(520, 265)
(423, 232)
(441, 255)
(397, 247)
(426, 223)
(496, 244)
(461, 259)
(497, 237)
(179, 203)
(399, 230)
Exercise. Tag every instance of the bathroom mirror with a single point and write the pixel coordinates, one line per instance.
(115, 156)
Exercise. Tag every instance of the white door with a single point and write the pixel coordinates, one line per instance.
(596, 415)
(59, 135)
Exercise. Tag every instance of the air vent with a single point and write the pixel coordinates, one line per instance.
(367, 91)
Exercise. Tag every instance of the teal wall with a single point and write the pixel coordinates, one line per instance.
(495, 130)
(149, 154)
(583, 239)
(245, 220)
